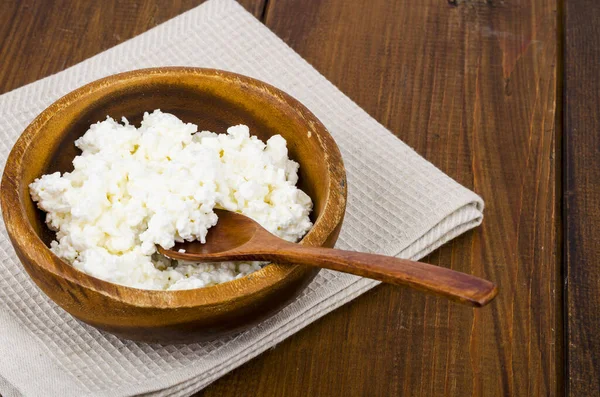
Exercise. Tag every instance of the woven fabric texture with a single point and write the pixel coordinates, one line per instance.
(398, 204)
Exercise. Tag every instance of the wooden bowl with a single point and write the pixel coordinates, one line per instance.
(214, 100)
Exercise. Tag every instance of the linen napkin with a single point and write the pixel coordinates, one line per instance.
(398, 204)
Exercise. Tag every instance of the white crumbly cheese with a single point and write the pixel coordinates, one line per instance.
(135, 188)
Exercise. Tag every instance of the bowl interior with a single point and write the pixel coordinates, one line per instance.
(212, 102)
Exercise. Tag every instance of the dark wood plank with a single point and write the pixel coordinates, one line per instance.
(471, 85)
(582, 195)
(42, 37)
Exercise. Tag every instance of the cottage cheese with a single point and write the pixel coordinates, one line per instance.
(135, 188)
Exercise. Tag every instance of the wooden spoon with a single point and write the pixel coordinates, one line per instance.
(238, 238)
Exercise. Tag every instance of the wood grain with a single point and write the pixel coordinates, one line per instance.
(472, 87)
(42, 37)
(582, 195)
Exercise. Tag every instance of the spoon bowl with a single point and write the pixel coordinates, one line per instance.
(231, 231)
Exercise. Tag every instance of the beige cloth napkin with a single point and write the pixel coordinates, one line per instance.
(398, 204)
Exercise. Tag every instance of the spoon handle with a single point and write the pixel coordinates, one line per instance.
(457, 286)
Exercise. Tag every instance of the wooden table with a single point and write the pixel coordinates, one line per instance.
(502, 95)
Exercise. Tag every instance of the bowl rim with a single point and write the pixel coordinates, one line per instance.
(34, 250)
